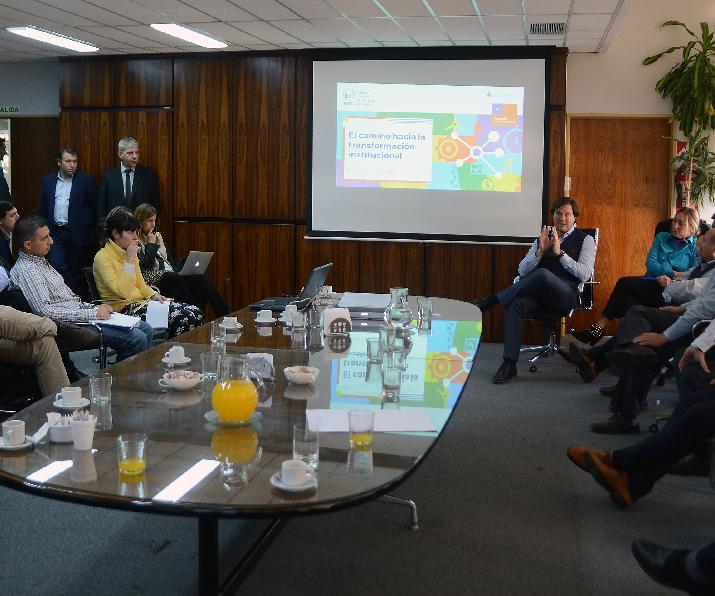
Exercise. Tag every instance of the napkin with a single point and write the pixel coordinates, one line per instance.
(40, 434)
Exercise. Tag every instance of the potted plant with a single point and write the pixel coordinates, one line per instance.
(695, 166)
(690, 84)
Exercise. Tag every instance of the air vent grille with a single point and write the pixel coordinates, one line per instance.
(547, 28)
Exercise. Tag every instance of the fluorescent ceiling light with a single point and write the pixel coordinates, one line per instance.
(56, 39)
(189, 35)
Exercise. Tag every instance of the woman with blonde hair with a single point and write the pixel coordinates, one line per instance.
(157, 270)
(671, 256)
(118, 277)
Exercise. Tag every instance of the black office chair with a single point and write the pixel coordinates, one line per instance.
(555, 322)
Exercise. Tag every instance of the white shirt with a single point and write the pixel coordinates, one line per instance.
(62, 199)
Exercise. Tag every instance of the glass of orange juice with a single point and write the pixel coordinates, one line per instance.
(235, 395)
(361, 423)
(131, 453)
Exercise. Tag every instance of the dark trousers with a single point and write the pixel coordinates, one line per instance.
(634, 382)
(66, 257)
(630, 291)
(693, 378)
(648, 461)
(540, 290)
(193, 289)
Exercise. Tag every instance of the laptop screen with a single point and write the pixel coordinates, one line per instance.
(316, 281)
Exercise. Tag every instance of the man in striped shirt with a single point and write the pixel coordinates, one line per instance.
(49, 296)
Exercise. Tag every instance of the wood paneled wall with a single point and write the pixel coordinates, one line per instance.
(229, 138)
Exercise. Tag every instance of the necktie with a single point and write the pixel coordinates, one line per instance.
(127, 185)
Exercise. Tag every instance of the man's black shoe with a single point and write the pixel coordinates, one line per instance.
(506, 371)
(691, 465)
(616, 425)
(486, 303)
(667, 566)
(633, 356)
(609, 390)
(585, 365)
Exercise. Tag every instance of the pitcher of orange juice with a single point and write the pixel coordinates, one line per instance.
(235, 395)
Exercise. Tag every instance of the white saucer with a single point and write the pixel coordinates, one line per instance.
(83, 402)
(266, 321)
(25, 445)
(228, 328)
(310, 483)
(186, 360)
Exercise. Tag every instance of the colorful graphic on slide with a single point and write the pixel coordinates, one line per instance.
(478, 150)
(437, 367)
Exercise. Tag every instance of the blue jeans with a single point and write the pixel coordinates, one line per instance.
(128, 342)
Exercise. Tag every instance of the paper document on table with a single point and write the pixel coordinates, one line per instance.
(358, 301)
(119, 320)
(406, 420)
(157, 314)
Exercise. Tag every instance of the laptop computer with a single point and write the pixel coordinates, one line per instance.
(310, 290)
(196, 263)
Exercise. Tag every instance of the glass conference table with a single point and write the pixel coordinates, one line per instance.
(184, 473)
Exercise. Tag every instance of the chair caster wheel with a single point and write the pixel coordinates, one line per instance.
(653, 427)
(532, 368)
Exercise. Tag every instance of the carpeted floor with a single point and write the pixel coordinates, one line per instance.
(502, 511)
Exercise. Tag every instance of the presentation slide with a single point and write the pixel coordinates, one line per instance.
(429, 149)
(429, 137)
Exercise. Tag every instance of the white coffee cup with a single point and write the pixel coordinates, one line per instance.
(294, 472)
(230, 322)
(70, 396)
(264, 316)
(175, 354)
(13, 432)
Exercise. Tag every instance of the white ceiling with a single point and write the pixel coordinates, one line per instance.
(121, 26)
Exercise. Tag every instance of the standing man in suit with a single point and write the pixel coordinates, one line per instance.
(8, 217)
(129, 184)
(4, 188)
(68, 201)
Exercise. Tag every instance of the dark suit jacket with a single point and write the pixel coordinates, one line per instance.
(82, 212)
(4, 189)
(111, 190)
(6, 260)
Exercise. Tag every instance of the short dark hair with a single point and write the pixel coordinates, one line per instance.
(5, 206)
(63, 150)
(26, 228)
(558, 203)
(119, 220)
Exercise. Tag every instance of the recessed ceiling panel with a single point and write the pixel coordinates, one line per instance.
(314, 9)
(421, 28)
(583, 27)
(225, 11)
(177, 11)
(269, 10)
(452, 8)
(229, 33)
(303, 30)
(383, 29)
(265, 32)
(357, 8)
(404, 8)
(343, 30)
(548, 6)
(499, 28)
(595, 6)
(463, 28)
(499, 7)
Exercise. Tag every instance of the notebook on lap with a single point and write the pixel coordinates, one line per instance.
(196, 263)
(310, 291)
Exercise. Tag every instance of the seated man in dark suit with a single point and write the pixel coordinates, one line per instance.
(129, 184)
(8, 217)
(559, 260)
(68, 201)
(4, 189)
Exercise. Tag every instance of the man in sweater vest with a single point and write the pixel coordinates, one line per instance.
(560, 259)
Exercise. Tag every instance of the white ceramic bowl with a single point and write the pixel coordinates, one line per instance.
(180, 379)
(300, 375)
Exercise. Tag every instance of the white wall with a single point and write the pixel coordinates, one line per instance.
(33, 86)
(615, 81)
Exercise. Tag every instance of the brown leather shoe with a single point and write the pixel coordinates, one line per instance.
(577, 454)
(613, 480)
(563, 351)
(585, 365)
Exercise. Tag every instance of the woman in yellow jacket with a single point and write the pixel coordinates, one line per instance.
(117, 275)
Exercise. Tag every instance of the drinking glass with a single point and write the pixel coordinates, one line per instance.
(218, 335)
(374, 350)
(131, 453)
(306, 445)
(361, 423)
(100, 388)
(298, 321)
(424, 308)
(360, 462)
(391, 381)
(210, 362)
